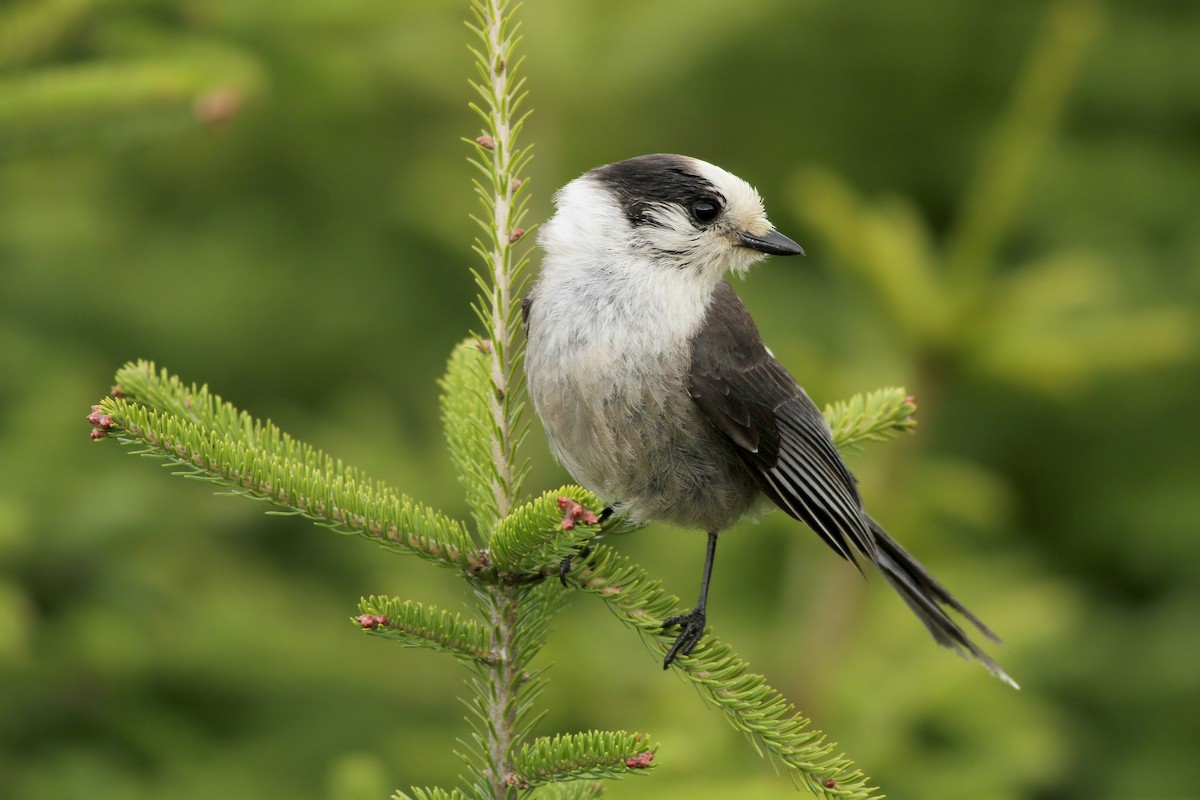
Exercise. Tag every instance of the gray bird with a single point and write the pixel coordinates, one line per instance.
(658, 394)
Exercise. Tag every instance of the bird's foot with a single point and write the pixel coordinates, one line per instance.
(564, 567)
(692, 628)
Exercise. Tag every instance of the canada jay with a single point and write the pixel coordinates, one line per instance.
(657, 393)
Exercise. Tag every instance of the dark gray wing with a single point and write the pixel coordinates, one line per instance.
(785, 443)
(779, 433)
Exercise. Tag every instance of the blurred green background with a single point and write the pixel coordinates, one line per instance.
(999, 203)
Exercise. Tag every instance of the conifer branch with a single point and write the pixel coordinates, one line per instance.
(429, 793)
(413, 624)
(724, 680)
(544, 531)
(577, 756)
(468, 424)
(502, 193)
(502, 700)
(201, 83)
(575, 790)
(503, 693)
(205, 438)
(872, 417)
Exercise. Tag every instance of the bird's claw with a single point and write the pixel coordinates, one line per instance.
(564, 566)
(692, 625)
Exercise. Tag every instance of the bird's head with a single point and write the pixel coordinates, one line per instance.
(663, 212)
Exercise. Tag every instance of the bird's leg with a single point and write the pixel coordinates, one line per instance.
(692, 623)
(565, 566)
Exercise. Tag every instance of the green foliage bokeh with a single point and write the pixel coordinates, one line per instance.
(275, 200)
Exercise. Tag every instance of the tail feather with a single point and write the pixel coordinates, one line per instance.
(926, 597)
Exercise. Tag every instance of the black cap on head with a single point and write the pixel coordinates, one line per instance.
(646, 181)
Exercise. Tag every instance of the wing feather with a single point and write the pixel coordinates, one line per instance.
(780, 434)
(786, 445)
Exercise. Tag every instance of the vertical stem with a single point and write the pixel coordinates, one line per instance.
(502, 705)
(501, 257)
(502, 600)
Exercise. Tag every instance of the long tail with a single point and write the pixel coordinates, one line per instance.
(926, 597)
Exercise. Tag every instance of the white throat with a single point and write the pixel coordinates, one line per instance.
(597, 281)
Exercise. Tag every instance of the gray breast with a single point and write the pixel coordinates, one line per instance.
(620, 419)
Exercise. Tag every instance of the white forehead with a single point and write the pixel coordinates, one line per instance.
(741, 198)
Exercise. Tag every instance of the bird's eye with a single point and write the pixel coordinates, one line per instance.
(705, 210)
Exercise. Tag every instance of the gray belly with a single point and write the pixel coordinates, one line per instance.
(635, 438)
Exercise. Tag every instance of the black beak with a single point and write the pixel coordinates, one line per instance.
(773, 243)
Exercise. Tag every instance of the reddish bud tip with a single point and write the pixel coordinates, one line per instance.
(574, 512)
(640, 761)
(830, 783)
(371, 621)
(98, 433)
(117, 391)
(516, 235)
(484, 345)
(486, 142)
(99, 419)
(517, 183)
